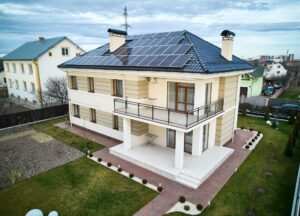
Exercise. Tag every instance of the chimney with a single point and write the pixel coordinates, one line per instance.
(116, 39)
(227, 44)
(41, 38)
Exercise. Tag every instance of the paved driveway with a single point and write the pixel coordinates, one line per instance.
(31, 152)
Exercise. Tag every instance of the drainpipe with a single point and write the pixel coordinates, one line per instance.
(124, 86)
(38, 81)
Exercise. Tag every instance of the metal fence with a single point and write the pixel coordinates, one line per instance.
(32, 115)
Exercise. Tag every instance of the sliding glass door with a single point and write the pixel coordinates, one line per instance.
(188, 139)
(181, 96)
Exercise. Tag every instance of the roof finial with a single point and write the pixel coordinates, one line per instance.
(125, 25)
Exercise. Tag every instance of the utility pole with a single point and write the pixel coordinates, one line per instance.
(126, 25)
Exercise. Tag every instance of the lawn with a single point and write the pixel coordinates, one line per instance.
(66, 137)
(81, 187)
(290, 94)
(239, 194)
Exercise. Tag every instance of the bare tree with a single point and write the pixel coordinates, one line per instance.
(56, 90)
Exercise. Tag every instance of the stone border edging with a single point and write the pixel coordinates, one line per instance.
(179, 207)
(254, 144)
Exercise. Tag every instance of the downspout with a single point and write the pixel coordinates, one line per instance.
(38, 81)
(124, 86)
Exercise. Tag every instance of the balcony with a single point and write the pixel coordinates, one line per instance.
(167, 116)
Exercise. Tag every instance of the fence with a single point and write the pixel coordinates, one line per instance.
(32, 115)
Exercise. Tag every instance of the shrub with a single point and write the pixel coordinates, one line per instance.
(90, 155)
(109, 164)
(159, 188)
(253, 140)
(99, 159)
(144, 181)
(274, 124)
(131, 175)
(267, 113)
(119, 169)
(181, 199)
(247, 147)
(288, 151)
(250, 143)
(186, 207)
(199, 207)
(251, 129)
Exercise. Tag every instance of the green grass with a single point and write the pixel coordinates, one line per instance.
(290, 94)
(236, 196)
(81, 187)
(66, 137)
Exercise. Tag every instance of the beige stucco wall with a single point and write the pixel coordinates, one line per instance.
(224, 128)
(227, 90)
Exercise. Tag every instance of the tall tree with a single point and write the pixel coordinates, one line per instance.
(56, 90)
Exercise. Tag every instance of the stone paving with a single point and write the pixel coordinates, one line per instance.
(172, 190)
(30, 152)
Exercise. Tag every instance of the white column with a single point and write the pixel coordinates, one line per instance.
(179, 150)
(127, 133)
(212, 133)
(197, 145)
(237, 99)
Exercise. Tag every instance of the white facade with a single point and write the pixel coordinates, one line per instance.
(274, 70)
(25, 78)
(2, 79)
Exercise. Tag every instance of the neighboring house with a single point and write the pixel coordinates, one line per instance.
(252, 83)
(28, 67)
(172, 98)
(274, 70)
(2, 77)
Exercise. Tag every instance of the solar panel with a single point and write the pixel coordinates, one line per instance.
(146, 60)
(160, 50)
(170, 49)
(174, 40)
(183, 49)
(135, 50)
(136, 61)
(164, 41)
(167, 61)
(180, 60)
(151, 50)
(146, 42)
(131, 59)
(157, 60)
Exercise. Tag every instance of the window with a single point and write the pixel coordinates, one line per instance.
(4, 80)
(10, 83)
(22, 68)
(49, 53)
(205, 136)
(14, 68)
(91, 84)
(7, 67)
(30, 69)
(73, 82)
(118, 88)
(93, 115)
(64, 51)
(278, 66)
(32, 88)
(17, 84)
(115, 122)
(278, 72)
(76, 111)
(25, 86)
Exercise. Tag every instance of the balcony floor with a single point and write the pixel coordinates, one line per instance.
(161, 161)
(176, 119)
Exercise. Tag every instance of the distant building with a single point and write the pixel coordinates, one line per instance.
(274, 70)
(2, 77)
(28, 67)
(280, 58)
(252, 83)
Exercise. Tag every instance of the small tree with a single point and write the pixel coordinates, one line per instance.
(267, 113)
(292, 117)
(289, 148)
(56, 90)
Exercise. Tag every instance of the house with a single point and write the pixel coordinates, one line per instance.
(28, 67)
(172, 98)
(274, 70)
(2, 77)
(252, 83)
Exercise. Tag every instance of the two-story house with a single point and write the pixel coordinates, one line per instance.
(28, 67)
(274, 70)
(172, 98)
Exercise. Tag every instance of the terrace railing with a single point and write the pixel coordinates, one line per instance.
(168, 116)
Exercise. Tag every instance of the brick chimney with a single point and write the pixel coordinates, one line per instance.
(116, 39)
(227, 44)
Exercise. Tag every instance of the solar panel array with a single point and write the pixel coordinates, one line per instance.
(150, 50)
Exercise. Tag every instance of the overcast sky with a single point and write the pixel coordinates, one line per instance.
(261, 26)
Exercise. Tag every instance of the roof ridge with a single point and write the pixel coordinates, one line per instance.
(197, 54)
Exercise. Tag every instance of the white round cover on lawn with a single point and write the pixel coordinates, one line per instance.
(34, 212)
(53, 213)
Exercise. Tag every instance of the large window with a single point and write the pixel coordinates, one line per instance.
(30, 69)
(22, 68)
(181, 96)
(25, 86)
(91, 84)
(32, 88)
(65, 51)
(205, 136)
(73, 80)
(115, 122)
(118, 88)
(17, 84)
(93, 115)
(188, 140)
(76, 110)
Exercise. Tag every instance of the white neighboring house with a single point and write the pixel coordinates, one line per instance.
(2, 77)
(172, 98)
(28, 67)
(274, 70)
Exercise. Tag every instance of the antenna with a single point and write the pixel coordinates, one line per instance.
(125, 25)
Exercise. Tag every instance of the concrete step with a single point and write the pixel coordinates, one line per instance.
(187, 182)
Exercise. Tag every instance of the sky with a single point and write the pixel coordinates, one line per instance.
(262, 27)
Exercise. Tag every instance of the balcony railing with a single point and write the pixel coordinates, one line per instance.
(168, 116)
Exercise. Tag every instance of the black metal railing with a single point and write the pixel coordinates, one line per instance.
(168, 116)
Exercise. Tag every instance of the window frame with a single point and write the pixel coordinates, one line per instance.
(91, 84)
(117, 89)
(76, 110)
(73, 81)
(22, 68)
(17, 84)
(30, 68)
(7, 67)
(116, 122)
(25, 86)
(63, 51)
(93, 115)
(14, 68)
(32, 89)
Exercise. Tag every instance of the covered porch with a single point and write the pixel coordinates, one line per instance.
(162, 160)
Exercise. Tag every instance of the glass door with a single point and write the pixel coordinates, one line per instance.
(188, 139)
(184, 97)
(205, 136)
